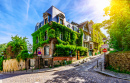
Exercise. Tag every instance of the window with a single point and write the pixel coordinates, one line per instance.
(37, 40)
(61, 21)
(39, 25)
(90, 46)
(75, 29)
(46, 50)
(85, 36)
(45, 20)
(68, 25)
(46, 35)
(78, 30)
(61, 36)
(48, 18)
(85, 28)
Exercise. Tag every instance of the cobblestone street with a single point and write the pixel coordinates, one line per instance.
(83, 73)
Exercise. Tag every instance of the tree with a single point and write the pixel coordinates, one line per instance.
(118, 25)
(18, 44)
(2, 48)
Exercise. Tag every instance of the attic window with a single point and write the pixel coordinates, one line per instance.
(61, 21)
(68, 25)
(45, 20)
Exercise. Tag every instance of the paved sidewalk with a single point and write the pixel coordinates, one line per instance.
(76, 63)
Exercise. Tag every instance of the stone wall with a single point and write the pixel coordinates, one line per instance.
(13, 64)
(58, 60)
(119, 61)
(64, 58)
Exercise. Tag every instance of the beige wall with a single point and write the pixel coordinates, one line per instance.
(13, 64)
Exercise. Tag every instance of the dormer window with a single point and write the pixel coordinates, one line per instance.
(61, 21)
(45, 20)
(46, 17)
(68, 25)
(60, 18)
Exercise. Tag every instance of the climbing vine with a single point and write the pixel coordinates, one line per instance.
(55, 30)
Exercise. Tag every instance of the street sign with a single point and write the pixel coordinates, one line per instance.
(104, 50)
(39, 52)
(105, 46)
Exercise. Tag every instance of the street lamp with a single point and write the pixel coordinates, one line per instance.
(104, 39)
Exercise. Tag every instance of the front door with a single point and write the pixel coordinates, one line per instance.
(90, 53)
(41, 63)
(46, 63)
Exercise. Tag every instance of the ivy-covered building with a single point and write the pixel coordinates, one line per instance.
(87, 40)
(55, 37)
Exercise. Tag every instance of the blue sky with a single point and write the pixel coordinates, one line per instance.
(19, 17)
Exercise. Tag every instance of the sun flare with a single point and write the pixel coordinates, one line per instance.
(102, 3)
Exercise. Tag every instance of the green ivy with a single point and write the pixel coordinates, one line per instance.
(67, 50)
(22, 55)
(54, 30)
(1, 62)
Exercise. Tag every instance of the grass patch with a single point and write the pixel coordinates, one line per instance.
(118, 71)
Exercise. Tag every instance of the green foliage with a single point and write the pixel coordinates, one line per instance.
(95, 53)
(18, 44)
(98, 52)
(97, 35)
(2, 48)
(1, 62)
(54, 30)
(23, 55)
(51, 33)
(82, 50)
(67, 50)
(118, 25)
(118, 71)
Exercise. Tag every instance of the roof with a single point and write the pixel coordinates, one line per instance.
(56, 8)
(74, 23)
(82, 24)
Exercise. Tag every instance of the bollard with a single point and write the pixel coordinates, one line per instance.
(10, 70)
(101, 66)
(32, 69)
(97, 63)
(26, 69)
(13, 70)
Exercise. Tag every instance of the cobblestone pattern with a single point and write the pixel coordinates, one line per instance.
(65, 74)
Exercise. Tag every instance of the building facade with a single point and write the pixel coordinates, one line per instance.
(52, 15)
(46, 44)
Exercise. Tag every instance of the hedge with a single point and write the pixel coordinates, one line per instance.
(67, 50)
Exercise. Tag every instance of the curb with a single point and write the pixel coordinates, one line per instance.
(111, 75)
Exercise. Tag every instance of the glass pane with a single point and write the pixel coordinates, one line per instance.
(61, 21)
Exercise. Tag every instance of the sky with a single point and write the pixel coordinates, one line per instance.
(19, 17)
